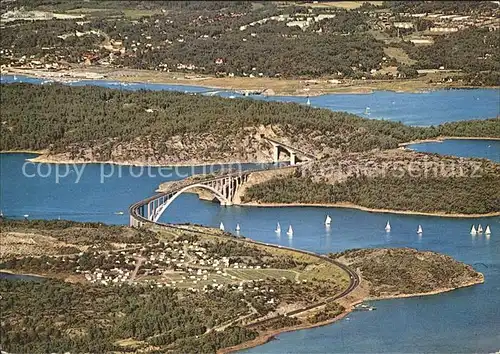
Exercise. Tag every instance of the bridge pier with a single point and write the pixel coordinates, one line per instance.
(276, 153)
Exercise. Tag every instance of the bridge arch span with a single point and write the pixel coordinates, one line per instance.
(159, 211)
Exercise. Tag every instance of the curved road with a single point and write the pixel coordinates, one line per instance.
(354, 279)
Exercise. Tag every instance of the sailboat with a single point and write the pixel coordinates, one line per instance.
(221, 226)
(278, 229)
(328, 220)
(290, 231)
(479, 229)
(487, 231)
(367, 110)
(237, 227)
(388, 227)
(473, 230)
(420, 231)
(308, 101)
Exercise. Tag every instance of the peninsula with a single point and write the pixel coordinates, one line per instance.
(243, 292)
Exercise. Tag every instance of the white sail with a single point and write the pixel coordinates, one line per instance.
(473, 230)
(419, 231)
(308, 102)
(488, 230)
(479, 229)
(290, 231)
(237, 227)
(388, 226)
(328, 220)
(221, 226)
(278, 228)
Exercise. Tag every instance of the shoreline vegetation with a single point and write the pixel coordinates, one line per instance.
(374, 268)
(268, 86)
(371, 210)
(44, 158)
(267, 337)
(351, 155)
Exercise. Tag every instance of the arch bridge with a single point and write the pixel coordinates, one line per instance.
(296, 155)
(224, 189)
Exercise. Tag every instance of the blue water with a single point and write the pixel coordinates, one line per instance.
(9, 276)
(488, 149)
(466, 320)
(419, 109)
(97, 192)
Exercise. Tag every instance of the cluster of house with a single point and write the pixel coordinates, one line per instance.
(17, 15)
(167, 264)
(441, 23)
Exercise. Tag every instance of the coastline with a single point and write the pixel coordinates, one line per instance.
(44, 159)
(371, 210)
(441, 139)
(268, 86)
(357, 299)
(270, 335)
(37, 152)
(433, 292)
(7, 271)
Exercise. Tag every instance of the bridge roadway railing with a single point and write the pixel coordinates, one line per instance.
(354, 279)
(290, 148)
(134, 208)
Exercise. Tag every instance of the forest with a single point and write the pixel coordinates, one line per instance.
(198, 37)
(56, 117)
(151, 313)
(439, 6)
(407, 270)
(83, 318)
(190, 36)
(449, 195)
(472, 50)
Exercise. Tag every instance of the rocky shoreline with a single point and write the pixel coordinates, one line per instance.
(271, 335)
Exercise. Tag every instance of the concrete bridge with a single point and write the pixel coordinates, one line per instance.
(223, 188)
(292, 152)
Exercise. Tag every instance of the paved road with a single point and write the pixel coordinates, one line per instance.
(353, 276)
